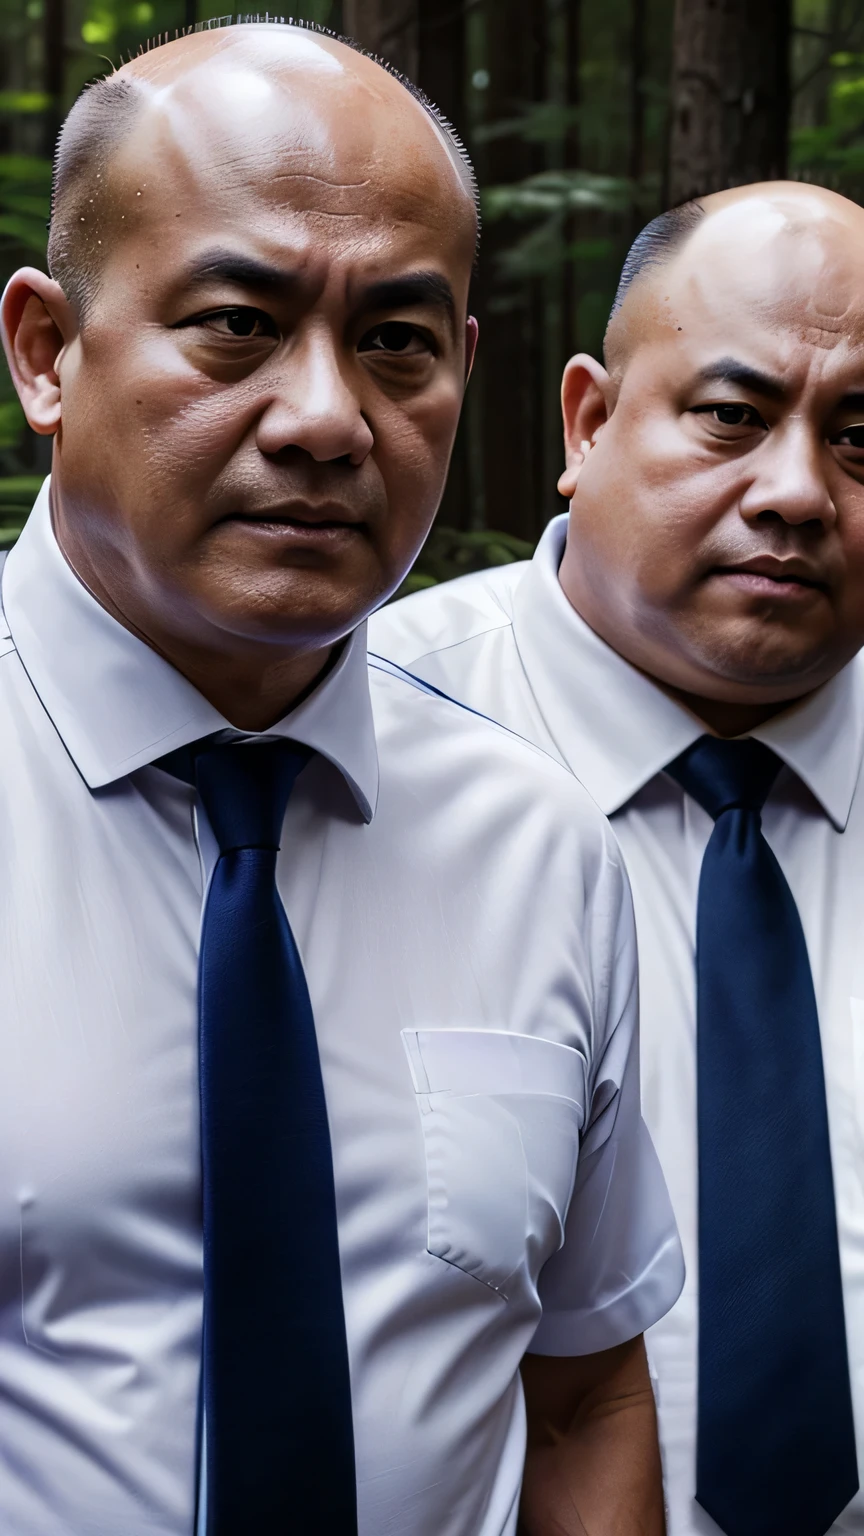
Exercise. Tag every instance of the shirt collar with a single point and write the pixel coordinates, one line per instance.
(117, 705)
(621, 729)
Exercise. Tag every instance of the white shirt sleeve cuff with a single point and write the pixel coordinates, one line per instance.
(633, 1310)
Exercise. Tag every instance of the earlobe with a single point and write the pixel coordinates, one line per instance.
(37, 322)
(472, 331)
(567, 480)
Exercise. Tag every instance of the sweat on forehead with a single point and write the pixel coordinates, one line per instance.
(235, 75)
(785, 250)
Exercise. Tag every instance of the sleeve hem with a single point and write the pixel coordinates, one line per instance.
(631, 1312)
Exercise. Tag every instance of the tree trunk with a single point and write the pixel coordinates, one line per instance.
(441, 74)
(387, 28)
(53, 69)
(441, 62)
(636, 167)
(572, 162)
(510, 404)
(730, 94)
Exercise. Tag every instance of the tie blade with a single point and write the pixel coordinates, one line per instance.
(276, 1377)
(776, 1447)
(800, 1496)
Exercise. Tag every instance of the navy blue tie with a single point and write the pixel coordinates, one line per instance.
(776, 1445)
(276, 1386)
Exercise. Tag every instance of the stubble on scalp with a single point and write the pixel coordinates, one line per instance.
(84, 219)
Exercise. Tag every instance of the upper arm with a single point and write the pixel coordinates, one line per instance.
(560, 1390)
(620, 1268)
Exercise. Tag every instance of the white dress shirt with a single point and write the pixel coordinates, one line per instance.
(468, 941)
(508, 643)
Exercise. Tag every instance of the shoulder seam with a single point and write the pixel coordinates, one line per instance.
(401, 674)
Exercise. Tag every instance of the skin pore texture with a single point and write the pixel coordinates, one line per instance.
(716, 466)
(254, 417)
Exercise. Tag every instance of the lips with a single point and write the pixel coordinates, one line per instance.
(780, 573)
(297, 517)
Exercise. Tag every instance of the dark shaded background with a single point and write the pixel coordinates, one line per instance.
(584, 118)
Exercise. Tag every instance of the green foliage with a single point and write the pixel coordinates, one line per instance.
(539, 122)
(557, 193)
(548, 200)
(25, 193)
(17, 495)
(831, 150)
(448, 553)
(23, 103)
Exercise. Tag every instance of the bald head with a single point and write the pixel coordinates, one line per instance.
(216, 82)
(773, 236)
(716, 468)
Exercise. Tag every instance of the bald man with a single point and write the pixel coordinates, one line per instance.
(685, 642)
(362, 1103)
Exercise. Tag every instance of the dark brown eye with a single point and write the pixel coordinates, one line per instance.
(241, 322)
(850, 437)
(248, 324)
(395, 337)
(733, 415)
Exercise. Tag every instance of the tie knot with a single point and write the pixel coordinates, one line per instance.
(726, 775)
(244, 788)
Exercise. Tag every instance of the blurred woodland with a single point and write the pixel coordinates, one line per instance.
(584, 119)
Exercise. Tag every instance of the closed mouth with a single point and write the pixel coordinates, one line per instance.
(309, 523)
(779, 575)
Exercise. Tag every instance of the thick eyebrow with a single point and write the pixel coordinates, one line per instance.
(413, 288)
(244, 271)
(728, 370)
(392, 293)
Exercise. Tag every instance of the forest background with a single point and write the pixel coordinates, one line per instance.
(584, 118)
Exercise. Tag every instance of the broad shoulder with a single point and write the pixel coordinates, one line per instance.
(446, 615)
(439, 749)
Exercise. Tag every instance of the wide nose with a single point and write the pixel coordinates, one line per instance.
(789, 482)
(313, 406)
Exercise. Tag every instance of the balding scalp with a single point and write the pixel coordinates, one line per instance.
(100, 120)
(654, 246)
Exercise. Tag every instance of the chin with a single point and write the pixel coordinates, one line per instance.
(767, 675)
(297, 609)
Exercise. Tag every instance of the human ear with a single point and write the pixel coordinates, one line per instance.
(472, 330)
(586, 390)
(37, 322)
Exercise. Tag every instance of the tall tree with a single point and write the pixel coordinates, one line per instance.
(388, 28)
(441, 56)
(730, 94)
(53, 68)
(441, 67)
(573, 162)
(636, 167)
(511, 390)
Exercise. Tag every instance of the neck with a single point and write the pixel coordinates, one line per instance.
(251, 694)
(723, 718)
(252, 684)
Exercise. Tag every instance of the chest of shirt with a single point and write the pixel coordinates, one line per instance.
(100, 909)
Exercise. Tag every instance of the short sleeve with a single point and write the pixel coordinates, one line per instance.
(620, 1268)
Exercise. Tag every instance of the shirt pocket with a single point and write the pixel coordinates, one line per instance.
(501, 1116)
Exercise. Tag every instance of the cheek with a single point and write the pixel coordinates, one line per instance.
(162, 418)
(850, 527)
(413, 443)
(649, 503)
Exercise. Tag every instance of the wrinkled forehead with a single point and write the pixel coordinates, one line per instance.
(771, 271)
(232, 141)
